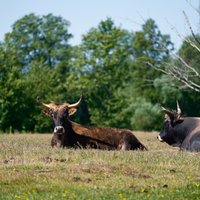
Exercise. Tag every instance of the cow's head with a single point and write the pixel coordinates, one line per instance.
(59, 113)
(168, 131)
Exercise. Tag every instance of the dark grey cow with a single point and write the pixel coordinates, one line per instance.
(183, 132)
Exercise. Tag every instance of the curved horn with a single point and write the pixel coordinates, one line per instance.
(46, 105)
(178, 109)
(167, 112)
(75, 104)
(163, 109)
(40, 102)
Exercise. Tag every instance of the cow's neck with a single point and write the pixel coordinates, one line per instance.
(186, 128)
(68, 135)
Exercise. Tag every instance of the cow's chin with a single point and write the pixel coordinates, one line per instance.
(58, 133)
(56, 143)
(160, 139)
(56, 140)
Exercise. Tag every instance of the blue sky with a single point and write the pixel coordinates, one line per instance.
(85, 14)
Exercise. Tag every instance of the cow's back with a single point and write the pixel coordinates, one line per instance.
(105, 134)
(192, 141)
(121, 139)
(191, 129)
(189, 125)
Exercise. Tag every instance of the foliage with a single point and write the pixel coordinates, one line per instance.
(191, 56)
(105, 58)
(149, 46)
(143, 95)
(145, 115)
(34, 57)
(111, 68)
(182, 75)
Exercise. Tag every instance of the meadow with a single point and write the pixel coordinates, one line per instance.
(31, 169)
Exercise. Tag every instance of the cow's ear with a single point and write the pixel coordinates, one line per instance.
(48, 108)
(170, 115)
(179, 121)
(46, 111)
(71, 111)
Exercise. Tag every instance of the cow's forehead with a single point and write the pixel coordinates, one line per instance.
(167, 118)
(57, 107)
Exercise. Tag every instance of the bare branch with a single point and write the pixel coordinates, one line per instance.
(197, 10)
(178, 74)
(187, 66)
(186, 75)
(191, 30)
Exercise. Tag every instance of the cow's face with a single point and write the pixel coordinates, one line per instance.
(168, 132)
(59, 114)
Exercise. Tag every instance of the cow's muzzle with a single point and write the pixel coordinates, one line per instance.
(159, 138)
(59, 130)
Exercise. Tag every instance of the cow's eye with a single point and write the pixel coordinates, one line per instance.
(166, 124)
(65, 111)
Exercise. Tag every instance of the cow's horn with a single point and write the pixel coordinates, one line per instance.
(163, 109)
(46, 105)
(167, 112)
(178, 108)
(75, 104)
(40, 102)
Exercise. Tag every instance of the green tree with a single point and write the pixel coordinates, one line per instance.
(149, 48)
(180, 80)
(102, 67)
(36, 57)
(11, 91)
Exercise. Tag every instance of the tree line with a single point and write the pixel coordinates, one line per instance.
(112, 68)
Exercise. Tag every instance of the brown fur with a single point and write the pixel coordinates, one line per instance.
(76, 135)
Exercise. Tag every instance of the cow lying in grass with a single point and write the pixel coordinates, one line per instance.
(183, 132)
(70, 134)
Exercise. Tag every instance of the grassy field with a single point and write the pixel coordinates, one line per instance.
(31, 169)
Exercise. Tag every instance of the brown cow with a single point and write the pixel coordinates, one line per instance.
(70, 134)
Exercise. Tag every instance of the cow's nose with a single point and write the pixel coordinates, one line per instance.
(59, 129)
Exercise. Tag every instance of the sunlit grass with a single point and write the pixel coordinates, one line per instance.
(31, 169)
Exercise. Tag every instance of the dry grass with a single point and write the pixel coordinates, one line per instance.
(31, 169)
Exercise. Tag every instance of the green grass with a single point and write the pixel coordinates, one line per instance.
(31, 169)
